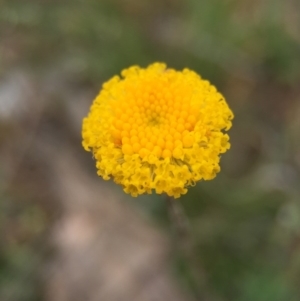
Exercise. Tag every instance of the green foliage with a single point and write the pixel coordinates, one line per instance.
(19, 227)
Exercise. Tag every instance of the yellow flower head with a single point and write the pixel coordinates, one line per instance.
(157, 129)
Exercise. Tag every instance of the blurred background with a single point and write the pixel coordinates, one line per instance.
(65, 234)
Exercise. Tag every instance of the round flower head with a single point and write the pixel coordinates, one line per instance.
(157, 129)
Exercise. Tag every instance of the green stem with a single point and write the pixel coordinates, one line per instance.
(185, 244)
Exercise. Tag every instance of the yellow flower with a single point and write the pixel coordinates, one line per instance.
(157, 129)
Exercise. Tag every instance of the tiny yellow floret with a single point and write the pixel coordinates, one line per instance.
(158, 129)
